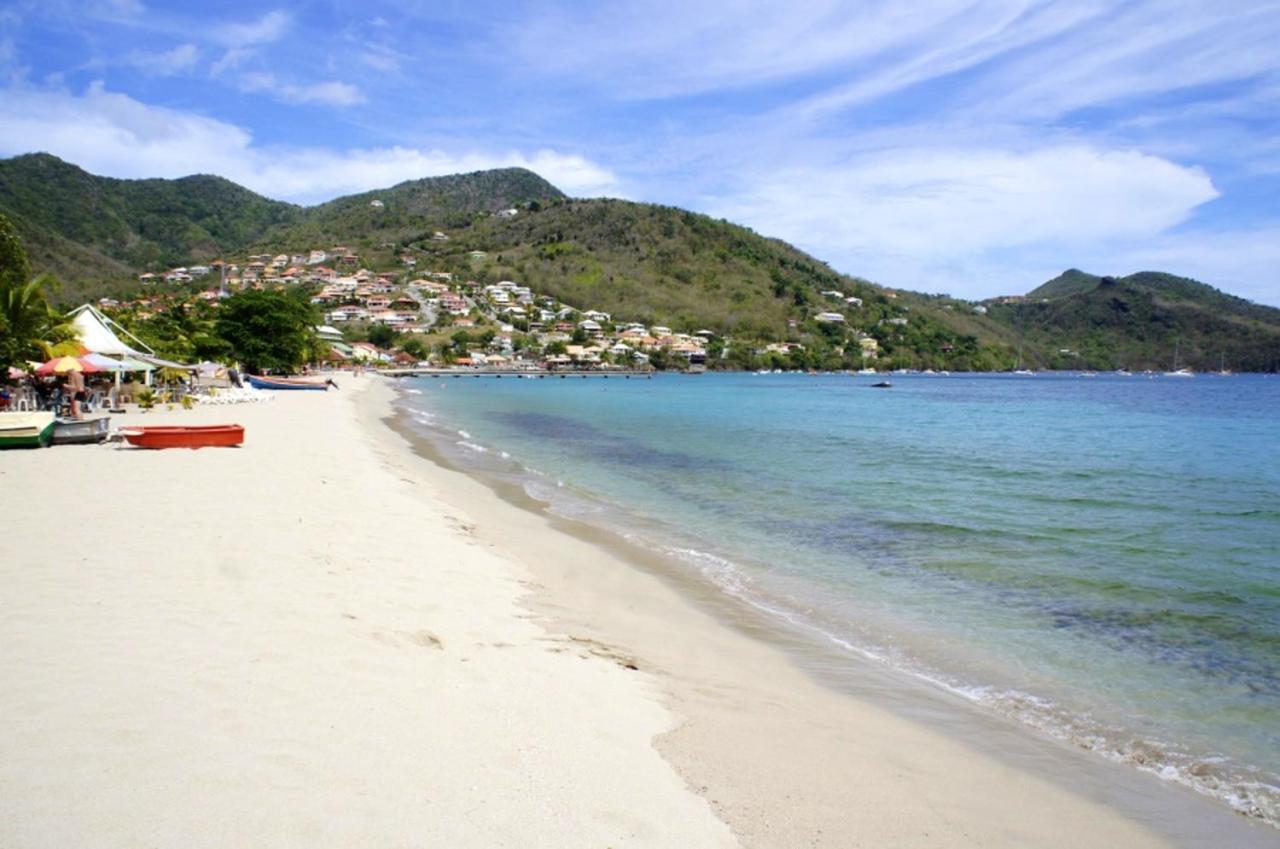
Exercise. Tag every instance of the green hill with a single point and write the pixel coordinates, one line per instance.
(1069, 282)
(77, 224)
(639, 262)
(376, 217)
(1139, 321)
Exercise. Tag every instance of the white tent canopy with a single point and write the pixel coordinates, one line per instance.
(96, 334)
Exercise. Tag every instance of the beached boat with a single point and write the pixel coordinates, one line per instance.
(25, 430)
(82, 431)
(288, 383)
(193, 436)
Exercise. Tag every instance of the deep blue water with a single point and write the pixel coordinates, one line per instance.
(1098, 557)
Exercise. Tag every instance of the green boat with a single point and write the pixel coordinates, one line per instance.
(25, 430)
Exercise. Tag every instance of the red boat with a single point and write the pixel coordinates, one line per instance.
(195, 436)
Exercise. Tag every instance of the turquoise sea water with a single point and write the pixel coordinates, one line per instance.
(1097, 557)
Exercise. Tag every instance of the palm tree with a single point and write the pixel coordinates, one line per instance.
(30, 329)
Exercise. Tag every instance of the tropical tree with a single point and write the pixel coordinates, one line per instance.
(14, 267)
(383, 335)
(183, 332)
(30, 329)
(268, 329)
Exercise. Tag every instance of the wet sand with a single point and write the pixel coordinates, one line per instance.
(797, 744)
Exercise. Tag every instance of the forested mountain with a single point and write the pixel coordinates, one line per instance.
(640, 262)
(77, 224)
(1142, 321)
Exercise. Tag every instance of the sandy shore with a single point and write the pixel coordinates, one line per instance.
(322, 639)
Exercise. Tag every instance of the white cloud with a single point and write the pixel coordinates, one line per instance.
(951, 219)
(270, 27)
(1241, 262)
(330, 93)
(166, 63)
(115, 135)
(232, 58)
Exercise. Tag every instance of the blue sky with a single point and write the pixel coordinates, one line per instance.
(976, 148)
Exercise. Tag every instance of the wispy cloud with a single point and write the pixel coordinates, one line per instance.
(270, 27)
(113, 134)
(232, 58)
(929, 217)
(165, 63)
(329, 93)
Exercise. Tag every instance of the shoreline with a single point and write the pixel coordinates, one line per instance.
(323, 638)
(1173, 814)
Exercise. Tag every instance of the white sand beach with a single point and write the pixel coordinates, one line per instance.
(321, 639)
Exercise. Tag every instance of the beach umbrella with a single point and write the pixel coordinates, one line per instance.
(62, 365)
(103, 363)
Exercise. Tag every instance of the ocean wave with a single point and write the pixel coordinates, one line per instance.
(471, 446)
(1239, 786)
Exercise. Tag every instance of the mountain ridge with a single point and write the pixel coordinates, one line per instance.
(646, 262)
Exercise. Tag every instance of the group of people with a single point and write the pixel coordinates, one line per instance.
(63, 394)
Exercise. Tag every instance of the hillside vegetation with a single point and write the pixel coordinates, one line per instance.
(1140, 322)
(76, 224)
(640, 262)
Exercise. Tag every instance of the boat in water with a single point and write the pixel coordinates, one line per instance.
(81, 431)
(1176, 371)
(26, 430)
(190, 436)
(282, 383)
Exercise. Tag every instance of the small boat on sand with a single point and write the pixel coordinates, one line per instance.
(81, 431)
(25, 430)
(193, 436)
(289, 383)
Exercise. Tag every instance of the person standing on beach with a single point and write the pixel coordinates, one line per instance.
(75, 388)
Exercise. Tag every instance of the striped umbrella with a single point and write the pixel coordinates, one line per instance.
(62, 365)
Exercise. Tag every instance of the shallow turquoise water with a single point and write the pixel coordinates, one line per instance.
(1098, 557)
